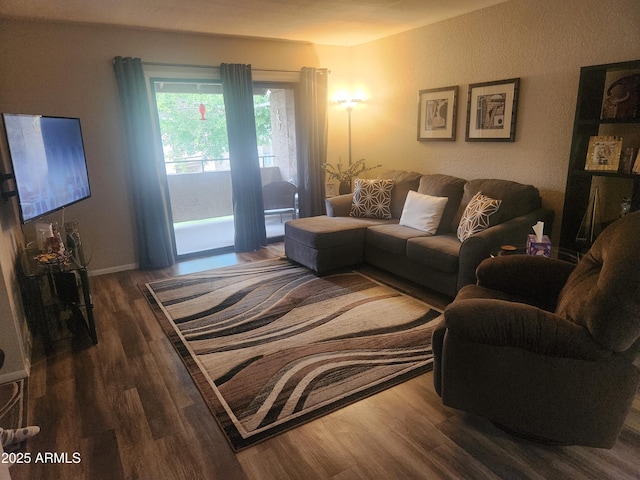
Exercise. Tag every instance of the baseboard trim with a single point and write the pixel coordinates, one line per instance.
(119, 268)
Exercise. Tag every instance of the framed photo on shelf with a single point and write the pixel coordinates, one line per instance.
(635, 168)
(603, 153)
(437, 113)
(330, 190)
(627, 159)
(491, 111)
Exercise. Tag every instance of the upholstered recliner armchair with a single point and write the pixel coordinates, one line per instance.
(545, 349)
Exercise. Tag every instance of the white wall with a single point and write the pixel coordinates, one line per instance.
(66, 69)
(543, 42)
(15, 339)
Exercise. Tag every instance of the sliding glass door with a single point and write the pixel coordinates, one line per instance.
(193, 130)
(276, 128)
(192, 123)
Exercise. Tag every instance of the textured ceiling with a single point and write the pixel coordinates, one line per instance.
(328, 22)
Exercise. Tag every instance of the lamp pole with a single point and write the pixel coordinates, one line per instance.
(349, 110)
(348, 104)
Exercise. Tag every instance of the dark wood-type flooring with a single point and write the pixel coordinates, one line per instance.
(130, 410)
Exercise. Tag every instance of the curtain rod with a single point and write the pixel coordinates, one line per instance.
(159, 64)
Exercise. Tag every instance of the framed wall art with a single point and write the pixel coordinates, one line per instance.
(491, 111)
(437, 113)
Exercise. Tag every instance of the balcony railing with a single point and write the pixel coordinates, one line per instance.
(200, 165)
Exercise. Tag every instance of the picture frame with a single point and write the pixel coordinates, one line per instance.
(635, 168)
(491, 111)
(437, 113)
(330, 190)
(603, 153)
(627, 159)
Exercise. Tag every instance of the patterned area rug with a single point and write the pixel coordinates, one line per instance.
(270, 345)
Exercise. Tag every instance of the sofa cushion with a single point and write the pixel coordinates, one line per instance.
(392, 238)
(478, 215)
(327, 232)
(439, 252)
(439, 185)
(517, 198)
(371, 198)
(403, 182)
(423, 212)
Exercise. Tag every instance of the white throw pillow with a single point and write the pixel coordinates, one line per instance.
(423, 212)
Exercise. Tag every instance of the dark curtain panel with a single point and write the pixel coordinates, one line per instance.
(246, 183)
(311, 117)
(153, 218)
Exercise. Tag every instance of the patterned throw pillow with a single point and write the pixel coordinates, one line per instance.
(372, 198)
(477, 215)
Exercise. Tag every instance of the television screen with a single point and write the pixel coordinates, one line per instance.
(48, 160)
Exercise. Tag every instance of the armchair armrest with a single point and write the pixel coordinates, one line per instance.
(480, 245)
(339, 206)
(537, 280)
(518, 325)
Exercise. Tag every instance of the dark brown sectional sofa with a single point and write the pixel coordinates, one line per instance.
(440, 262)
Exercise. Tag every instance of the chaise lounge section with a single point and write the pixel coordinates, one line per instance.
(440, 261)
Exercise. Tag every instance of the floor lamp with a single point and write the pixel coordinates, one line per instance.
(349, 110)
(348, 104)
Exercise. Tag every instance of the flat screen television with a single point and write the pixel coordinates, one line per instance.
(49, 164)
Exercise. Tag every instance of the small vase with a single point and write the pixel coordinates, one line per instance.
(345, 187)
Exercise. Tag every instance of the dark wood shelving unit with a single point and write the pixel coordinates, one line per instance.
(594, 80)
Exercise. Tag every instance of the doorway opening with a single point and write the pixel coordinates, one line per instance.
(193, 129)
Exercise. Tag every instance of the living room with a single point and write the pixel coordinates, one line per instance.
(543, 44)
(65, 69)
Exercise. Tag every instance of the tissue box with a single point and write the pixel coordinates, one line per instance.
(539, 248)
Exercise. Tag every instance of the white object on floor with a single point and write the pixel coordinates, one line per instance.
(4, 467)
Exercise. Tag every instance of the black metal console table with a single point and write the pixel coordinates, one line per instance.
(54, 290)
